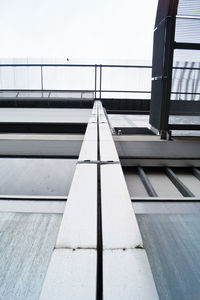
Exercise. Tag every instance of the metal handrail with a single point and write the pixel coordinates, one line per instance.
(97, 83)
(96, 67)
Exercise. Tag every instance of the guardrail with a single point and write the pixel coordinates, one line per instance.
(98, 83)
(96, 80)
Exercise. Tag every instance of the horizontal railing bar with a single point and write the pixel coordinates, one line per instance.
(184, 93)
(47, 65)
(185, 68)
(76, 65)
(91, 91)
(44, 90)
(91, 66)
(78, 91)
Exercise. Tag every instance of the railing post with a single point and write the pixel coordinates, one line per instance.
(41, 75)
(95, 82)
(100, 81)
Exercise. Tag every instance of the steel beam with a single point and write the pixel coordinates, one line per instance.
(196, 172)
(147, 184)
(178, 183)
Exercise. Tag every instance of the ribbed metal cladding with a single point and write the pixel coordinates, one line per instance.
(191, 8)
(186, 74)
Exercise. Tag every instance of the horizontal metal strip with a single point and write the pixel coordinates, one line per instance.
(158, 149)
(33, 197)
(22, 127)
(189, 46)
(38, 147)
(32, 206)
(45, 102)
(75, 65)
(184, 126)
(170, 208)
(134, 130)
(187, 17)
(38, 156)
(159, 162)
(161, 158)
(163, 199)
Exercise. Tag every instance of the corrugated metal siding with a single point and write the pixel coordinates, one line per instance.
(27, 242)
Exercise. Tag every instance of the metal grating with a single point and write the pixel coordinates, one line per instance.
(165, 182)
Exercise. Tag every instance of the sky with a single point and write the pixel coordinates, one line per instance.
(80, 30)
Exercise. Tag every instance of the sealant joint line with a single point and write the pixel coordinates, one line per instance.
(98, 162)
(99, 284)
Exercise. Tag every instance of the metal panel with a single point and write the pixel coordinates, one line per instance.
(71, 275)
(127, 275)
(89, 145)
(119, 225)
(158, 149)
(172, 206)
(44, 115)
(88, 151)
(107, 147)
(38, 148)
(91, 131)
(79, 225)
(159, 162)
(173, 248)
(36, 176)
(27, 242)
(32, 206)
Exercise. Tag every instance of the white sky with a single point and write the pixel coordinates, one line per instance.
(78, 29)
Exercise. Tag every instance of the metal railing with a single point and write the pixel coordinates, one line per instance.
(97, 90)
(97, 80)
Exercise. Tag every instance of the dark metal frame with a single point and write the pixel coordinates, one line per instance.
(164, 46)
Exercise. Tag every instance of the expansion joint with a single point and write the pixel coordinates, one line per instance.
(99, 162)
